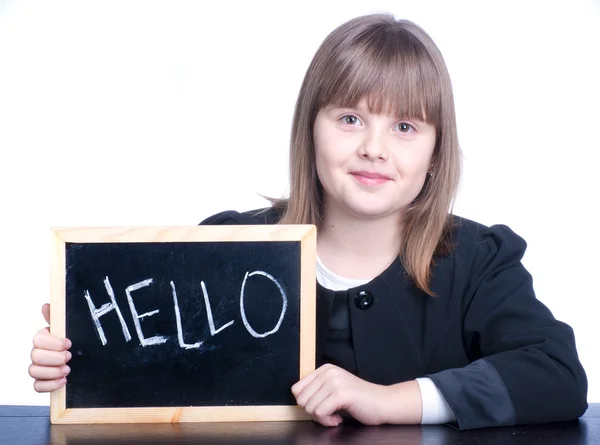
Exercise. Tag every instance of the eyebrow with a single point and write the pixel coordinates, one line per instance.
(333, 107)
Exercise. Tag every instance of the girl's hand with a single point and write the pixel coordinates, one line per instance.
(331, 389)
(49, 358)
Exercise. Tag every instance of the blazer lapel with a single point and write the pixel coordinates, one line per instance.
(387, 334)
(324, 306)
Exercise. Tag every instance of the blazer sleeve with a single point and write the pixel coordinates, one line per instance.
(227, 217)
(267, 215)
(524, 366)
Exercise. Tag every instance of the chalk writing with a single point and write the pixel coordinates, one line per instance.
(96, 313)
(243, 311)
(104, 309)
(178, 321)
(156, 340)
(211, 323)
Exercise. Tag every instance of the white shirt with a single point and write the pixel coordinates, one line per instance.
(435, 408)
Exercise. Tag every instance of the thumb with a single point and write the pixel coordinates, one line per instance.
(46, 312)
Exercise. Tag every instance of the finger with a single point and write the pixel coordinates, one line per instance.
(298, 387)
(46, 312)
(44, 340)
(334, 420)
(43, 357)
(326, 413)
(49, 385)
(48, 372)
(304, 397)
(316, 399)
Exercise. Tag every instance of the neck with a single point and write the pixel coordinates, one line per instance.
(358, 248)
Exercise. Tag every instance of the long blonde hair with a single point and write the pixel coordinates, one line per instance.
(398, 68)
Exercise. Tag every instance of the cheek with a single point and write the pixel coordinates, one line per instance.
(324, 171)
(331, 147)
(415, 162)
(320, 164)
(327, 157)
(413, 167)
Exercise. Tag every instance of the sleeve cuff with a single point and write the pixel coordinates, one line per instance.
(435, 408)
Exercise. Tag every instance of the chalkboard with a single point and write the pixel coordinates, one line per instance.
(207, 323)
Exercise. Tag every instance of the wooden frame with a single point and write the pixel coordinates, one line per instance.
(305, 234)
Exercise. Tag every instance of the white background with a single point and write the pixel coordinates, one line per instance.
(162, 113)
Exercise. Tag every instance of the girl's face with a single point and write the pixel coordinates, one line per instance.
(370, 165)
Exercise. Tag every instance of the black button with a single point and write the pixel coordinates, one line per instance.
(364, 299)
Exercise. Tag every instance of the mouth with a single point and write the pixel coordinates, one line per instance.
(370, 178)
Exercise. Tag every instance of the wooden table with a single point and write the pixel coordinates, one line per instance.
(25, 425)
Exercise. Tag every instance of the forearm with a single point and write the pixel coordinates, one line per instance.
(402, 403)
(416, 402)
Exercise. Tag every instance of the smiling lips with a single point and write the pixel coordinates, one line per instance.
(370, 178)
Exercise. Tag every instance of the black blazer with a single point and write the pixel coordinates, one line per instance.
(495, 352)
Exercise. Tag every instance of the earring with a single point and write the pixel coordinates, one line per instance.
(430, 171)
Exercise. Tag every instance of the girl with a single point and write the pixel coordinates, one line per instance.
(423, 316)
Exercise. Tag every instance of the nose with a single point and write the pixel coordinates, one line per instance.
(373, 146)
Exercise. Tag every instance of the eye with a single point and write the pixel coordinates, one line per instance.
(405, 127)
(350, 119)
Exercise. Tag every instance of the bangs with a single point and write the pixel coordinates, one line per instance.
(389, 68)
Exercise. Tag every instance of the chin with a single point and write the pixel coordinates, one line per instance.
(372, 211)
